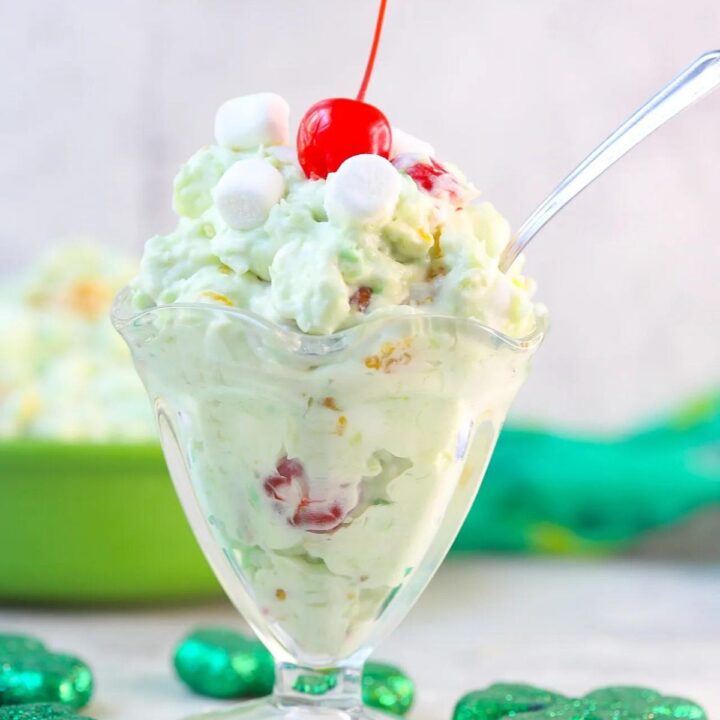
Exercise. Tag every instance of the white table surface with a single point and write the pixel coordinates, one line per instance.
(567, 625)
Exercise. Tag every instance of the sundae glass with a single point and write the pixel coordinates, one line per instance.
(330, 360)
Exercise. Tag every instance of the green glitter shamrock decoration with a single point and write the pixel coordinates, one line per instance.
(503, 700)
(38, 711)
(524, 702)
(222, 663)
(30, 673)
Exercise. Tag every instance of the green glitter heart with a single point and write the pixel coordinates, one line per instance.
(499, 702)
(29, 673)
(222, 663)
(39, 711)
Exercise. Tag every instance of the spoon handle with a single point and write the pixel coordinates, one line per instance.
(693, 83)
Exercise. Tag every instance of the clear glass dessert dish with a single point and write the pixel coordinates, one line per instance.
(325, 477)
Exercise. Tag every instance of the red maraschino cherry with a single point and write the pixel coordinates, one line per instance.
(335, 129)
(338, 128)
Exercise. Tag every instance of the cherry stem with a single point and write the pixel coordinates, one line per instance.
(373, 51)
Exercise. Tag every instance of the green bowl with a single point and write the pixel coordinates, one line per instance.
(88, 523)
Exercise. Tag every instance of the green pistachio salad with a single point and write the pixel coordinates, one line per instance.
(378, 236)
(64, 373)
(318, 355)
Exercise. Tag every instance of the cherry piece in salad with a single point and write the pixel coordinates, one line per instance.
(361, 298)
(432, 177)
(288, 489)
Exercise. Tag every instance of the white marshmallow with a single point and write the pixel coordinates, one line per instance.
(403, 142)
(246, 122)
(365, 189)
(247, 191)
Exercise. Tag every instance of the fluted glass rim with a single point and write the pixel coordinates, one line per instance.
(122, 314)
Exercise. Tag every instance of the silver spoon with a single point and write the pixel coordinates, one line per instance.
(693, 83)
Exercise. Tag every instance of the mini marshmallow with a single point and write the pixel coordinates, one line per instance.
(365, 189)
(403, 142)
(252, 120)
(247, 191)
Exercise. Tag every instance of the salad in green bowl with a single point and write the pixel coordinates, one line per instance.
(87, 510)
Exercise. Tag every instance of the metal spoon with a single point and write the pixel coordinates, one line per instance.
(693, 83)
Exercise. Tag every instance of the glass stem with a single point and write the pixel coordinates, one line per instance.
(336, 687)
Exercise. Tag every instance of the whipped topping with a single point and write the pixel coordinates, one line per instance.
(403, 143)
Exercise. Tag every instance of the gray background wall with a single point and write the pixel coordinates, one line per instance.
(101, 101)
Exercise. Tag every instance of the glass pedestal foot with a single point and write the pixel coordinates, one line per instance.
(306, 694)
(271, 709)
